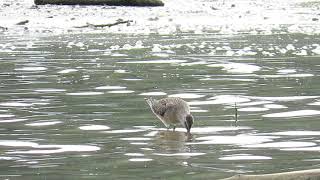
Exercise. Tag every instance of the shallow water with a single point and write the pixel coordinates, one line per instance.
(72, 105)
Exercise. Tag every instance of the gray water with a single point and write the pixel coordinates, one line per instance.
(72, 101)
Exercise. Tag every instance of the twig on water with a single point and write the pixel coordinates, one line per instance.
(236, 114)
(105, 25)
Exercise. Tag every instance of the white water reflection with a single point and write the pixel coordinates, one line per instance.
(286, 144)
(168, 61)
(31, 69)
(297, 133)
(298, 113)
(283, 98)
(50, 90)
(157, 93)
(94, 127)
(187, 95)
(110, 87)
(66, 71)
(85, 93)
(44, 123)
(221, 99)
(240, 140)
(237, 67)
(180, 154)
(15, 104)
(140, 159)
(244, 157)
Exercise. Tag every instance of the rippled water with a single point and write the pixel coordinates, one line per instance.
(72, 105)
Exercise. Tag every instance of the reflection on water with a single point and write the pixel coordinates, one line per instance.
(74, 104)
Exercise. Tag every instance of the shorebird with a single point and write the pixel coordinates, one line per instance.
(172, 111)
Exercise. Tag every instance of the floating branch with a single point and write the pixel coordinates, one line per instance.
(104, 25)
(102, 2)
(23, 22)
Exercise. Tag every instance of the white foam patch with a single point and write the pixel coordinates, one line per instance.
(154, 62)
(85, 93)
(297, 133)
(287, 144)
(45, 123)
(31, 69)
(140, 159)
(237, 67)
(244, 157)
(180, 154)
(187, 95)
(157, 93)
(234, 140)
(110, 87)
(253, 109)
(94, 127)
(298, 113)
(66, 71)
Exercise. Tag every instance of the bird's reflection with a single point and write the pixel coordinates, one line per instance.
(168, 140)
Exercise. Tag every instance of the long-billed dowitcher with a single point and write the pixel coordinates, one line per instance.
(172, 111)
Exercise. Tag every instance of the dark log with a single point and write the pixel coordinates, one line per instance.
(312, 174)
(102, 2)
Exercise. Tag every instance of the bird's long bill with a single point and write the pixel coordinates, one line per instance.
(189, 122)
